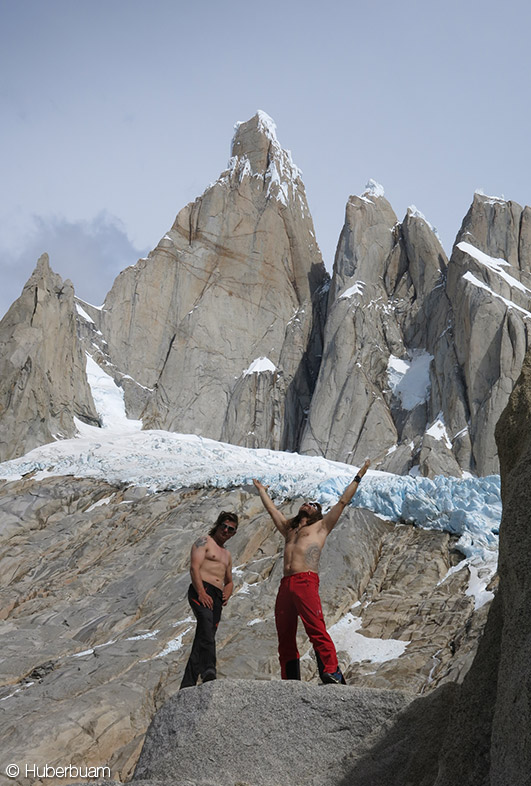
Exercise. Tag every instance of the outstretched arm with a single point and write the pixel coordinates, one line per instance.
(279, 519)
(330, 518)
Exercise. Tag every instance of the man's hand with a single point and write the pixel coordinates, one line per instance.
(205, 599)
(363, 470)
(227, 592)
(279, 519)
(330, 518)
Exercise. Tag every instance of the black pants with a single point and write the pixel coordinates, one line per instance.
(203, 656)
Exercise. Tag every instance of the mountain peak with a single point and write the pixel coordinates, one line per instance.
(260, 122)
(255, 146)
(373, 189)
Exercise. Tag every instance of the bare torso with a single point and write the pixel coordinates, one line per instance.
(214, 567)
(303, 548)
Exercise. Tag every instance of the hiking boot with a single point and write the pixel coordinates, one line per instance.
(293, 669)
(333, 678)
(209, 675)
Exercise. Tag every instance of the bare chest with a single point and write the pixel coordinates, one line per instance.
(216, 555)
(304, 537)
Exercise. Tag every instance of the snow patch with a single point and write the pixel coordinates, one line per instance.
(172, 646)
(258, 365)
(410, 379)
(108, 400)
(104, 501)
(481, 572)
(359, 647)
(438, 430)
(98, 308)
(92, 650)
(471, 278)
(83, 314)
(414, 212)
(142, 636)
(495, 264)
(480, 576)
(492, 200)
(355, 289)
(373, 188)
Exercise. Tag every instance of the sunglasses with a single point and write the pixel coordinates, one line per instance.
(314, 505)
(229, 528)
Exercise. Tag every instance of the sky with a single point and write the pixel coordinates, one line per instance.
(117, 113)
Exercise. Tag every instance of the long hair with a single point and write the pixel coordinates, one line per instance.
(317, 516)
(223, 516)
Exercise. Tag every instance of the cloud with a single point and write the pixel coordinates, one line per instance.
(89, 253)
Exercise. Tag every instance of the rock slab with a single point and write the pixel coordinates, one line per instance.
(261, 733)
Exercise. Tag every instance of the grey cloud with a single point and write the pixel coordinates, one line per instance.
(89, 253)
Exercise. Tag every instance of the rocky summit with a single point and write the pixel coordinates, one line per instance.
(232, 333)
(43, 383)
(222, 320)
(231, 328)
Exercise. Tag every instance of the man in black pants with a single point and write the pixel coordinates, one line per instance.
(211, 588)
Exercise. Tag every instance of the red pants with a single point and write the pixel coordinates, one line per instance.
(298, 596)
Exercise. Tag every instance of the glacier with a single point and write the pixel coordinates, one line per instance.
(120, 452)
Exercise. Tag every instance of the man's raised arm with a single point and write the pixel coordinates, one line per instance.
(330, 518)
(279, 519)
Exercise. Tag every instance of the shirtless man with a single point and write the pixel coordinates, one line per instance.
(298, 594)
(211, 588)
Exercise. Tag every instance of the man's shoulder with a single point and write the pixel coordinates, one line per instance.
(202, 540)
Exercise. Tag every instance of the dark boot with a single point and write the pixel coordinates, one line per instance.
(293, 669)
(336, 678)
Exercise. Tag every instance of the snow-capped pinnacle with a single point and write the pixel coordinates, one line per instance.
(414, 212)
(256, 152)
(489, 198)
(257, 141)
(373, 188)
(267, 125)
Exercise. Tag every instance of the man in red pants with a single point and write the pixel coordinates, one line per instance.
(298, 594)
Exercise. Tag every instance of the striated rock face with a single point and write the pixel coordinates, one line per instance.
(489, 286)
(93, 581)
(421, 354)
(43, 384)
(236, 279)
(380, 325)
(232, 329)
